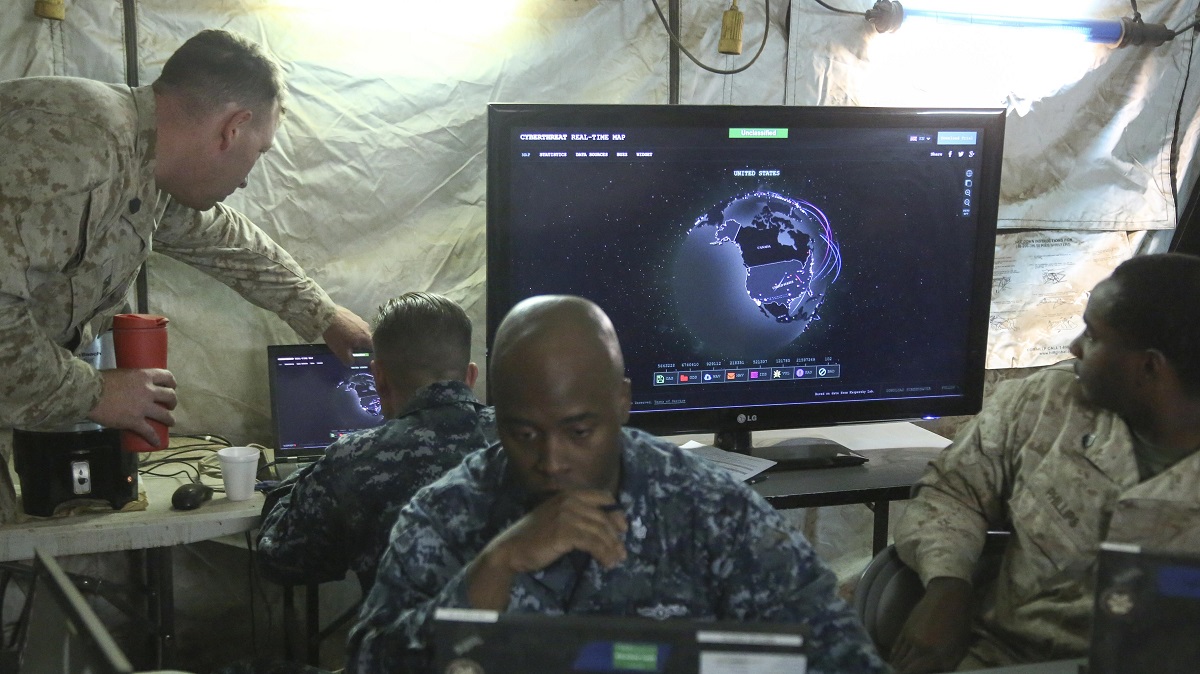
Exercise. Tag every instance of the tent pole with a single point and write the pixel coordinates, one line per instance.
(673, 62)
(129, 11)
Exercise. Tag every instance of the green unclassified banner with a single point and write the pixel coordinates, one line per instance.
(744, 132)
(635, 657)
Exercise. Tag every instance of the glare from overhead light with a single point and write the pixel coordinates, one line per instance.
(929, 62)
(391, 36)
(465, 18)
(1034, 9)
(887, 16)
(1091, 30)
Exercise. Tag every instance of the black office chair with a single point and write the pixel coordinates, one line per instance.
(888, 589)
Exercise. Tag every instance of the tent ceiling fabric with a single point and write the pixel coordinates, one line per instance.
(376, 184)
(1088, 139)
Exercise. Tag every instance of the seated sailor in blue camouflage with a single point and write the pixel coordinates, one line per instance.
(572, 513)
(335, 514)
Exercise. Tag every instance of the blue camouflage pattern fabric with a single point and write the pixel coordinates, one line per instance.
(700, 544)
(335, 514)
(79, 213)
(1061, 474)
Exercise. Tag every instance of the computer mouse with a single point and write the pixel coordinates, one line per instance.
(189, 496)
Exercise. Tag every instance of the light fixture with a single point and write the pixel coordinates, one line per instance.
(888, 15)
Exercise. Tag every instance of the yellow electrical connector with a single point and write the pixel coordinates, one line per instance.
(50, 9)
(731, 30)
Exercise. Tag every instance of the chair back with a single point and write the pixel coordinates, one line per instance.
(889, 589)
(884, 596)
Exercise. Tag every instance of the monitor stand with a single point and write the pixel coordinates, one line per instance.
(792, 453)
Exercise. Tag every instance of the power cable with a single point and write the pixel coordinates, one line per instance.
(1173, 163)
(675, 40)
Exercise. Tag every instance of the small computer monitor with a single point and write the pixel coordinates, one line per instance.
(1146, 612)
(63, 635)
(316, 399)
(765, 267)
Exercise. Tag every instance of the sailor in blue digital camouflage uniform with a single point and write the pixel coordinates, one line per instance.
(572, 513)
(335, 514)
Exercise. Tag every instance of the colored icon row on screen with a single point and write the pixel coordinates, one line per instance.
(827, 371)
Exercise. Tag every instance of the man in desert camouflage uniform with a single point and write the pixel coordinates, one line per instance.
(1103, 448)
(92, 177)
(335, 514)
(572, 513)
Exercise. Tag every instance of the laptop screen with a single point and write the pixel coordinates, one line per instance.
(315, 398)
(511, 643)
(1147, 612)
(63, 634)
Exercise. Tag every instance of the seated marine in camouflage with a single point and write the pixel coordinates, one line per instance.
(572, 513)
(1104, 448)
(334, 515)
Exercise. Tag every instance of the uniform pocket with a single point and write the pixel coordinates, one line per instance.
(1054, 535)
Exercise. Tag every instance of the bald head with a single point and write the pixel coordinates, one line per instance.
(561, 395)
(558, 327)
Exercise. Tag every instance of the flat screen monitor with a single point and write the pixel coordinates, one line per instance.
(765, 267)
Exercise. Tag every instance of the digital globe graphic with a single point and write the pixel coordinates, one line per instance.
(753, 272)
(362, 386)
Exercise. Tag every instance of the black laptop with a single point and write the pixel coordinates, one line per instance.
(315, 399)
(1147, 612)
(486, 642)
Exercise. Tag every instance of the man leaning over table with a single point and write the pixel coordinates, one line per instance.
(92, 178)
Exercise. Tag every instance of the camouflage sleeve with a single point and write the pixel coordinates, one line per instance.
(43, 383)
(302, 538)
(774, 575)
(40, 225)
(963, 494)
(225, 245)
(418, 574)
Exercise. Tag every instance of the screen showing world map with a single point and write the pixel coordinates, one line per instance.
(749, 264)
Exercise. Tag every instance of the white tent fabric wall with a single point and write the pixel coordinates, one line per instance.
(377, 181)
(1089, 132)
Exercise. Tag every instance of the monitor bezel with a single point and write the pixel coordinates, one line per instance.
(504, 116)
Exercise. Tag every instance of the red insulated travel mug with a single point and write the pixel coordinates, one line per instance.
(140, 342)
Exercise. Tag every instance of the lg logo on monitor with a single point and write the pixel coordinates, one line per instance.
(743, 418)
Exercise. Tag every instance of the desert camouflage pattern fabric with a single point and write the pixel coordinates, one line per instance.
(700, 544)
(335, 514)
(1061, 474)
(79, 213)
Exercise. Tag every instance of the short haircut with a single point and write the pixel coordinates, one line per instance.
(422, 336)
(1157, 306)
(216, 67)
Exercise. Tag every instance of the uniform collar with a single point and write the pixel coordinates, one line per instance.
(143, 100)
(1176, 483)
(437, 394)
